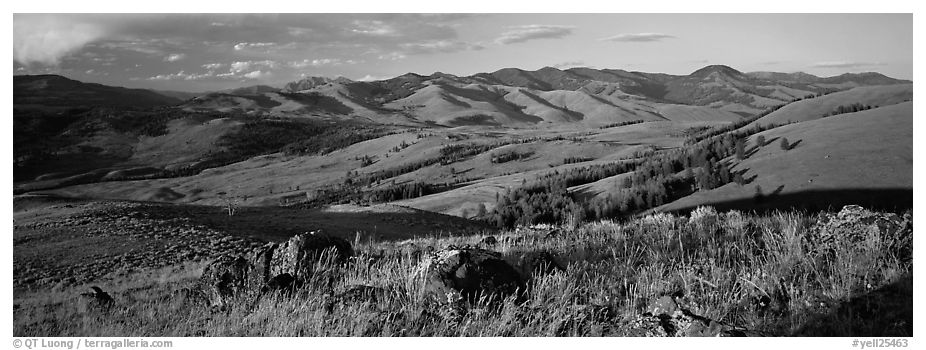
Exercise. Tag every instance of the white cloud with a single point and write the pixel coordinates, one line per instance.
(46, 39)
(242, 66)
(257, 75)
(372, 78)
(638, 37)
(569, 64)
(392, 56)
(213, 66)
(174, 57)
(520, 34)
(320, 62)
(182, 75)
(243, 46)
(373, 28)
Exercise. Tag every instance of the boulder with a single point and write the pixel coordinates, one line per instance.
(96, 299)
(274, 267)
(539, 263)
(283, 282)
(224, 279)
(488, 241)
(854, 224)
(469, 273)
(299, 255)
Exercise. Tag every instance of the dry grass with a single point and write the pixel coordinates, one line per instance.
(724, 266)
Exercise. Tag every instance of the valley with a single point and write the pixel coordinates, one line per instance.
(113, 184)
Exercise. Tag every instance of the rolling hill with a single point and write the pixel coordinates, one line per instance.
(864, 158)
(818, 107)
(517, 97)
(450, 132)
(43, 91)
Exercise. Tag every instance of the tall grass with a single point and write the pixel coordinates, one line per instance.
(758, 272)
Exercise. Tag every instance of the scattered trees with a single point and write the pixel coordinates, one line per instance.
(852, 108)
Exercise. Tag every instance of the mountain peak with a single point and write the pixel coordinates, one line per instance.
(717, 68)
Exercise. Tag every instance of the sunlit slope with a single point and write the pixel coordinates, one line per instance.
(865, 156)
(814, 108)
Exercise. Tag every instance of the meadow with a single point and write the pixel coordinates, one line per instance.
(771, 274)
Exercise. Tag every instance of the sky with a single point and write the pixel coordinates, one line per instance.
(207, 52)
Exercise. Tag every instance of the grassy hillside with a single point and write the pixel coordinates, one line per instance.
(862, 157)
(815, 108)
(758, 275)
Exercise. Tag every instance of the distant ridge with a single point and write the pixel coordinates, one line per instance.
(56, 90)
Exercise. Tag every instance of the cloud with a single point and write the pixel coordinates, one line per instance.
(520, 34)
(243, 46)
(638, 37)
(174, 57)
(213, 66)
(321, 62)
(373, 28)
(845, 64)
(243, 66)
(46, 38)
(438, 46)
(392, 56)
(569, 64)
(258, 75)
(181, 75)
(372, 78)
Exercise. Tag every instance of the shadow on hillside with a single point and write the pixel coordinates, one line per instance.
(884, 312)
(888, 199)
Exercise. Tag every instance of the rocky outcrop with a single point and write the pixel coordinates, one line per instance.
(467, 273)
(273, 268)
(854, 224)
(539, 263)
(224, 279)
(298, 257)
(666, 318)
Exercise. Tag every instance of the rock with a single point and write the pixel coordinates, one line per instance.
(539, 263)
(188, 296)
(224, 279)
(363, 294)
(96, 299)
(467, 272)
(664, 306)
(854, 224)
(666, 318)
(275, 267)
(283, 282)
(488, 241)
(298, 257)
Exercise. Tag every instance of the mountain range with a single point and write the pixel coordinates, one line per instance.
(509, 97)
